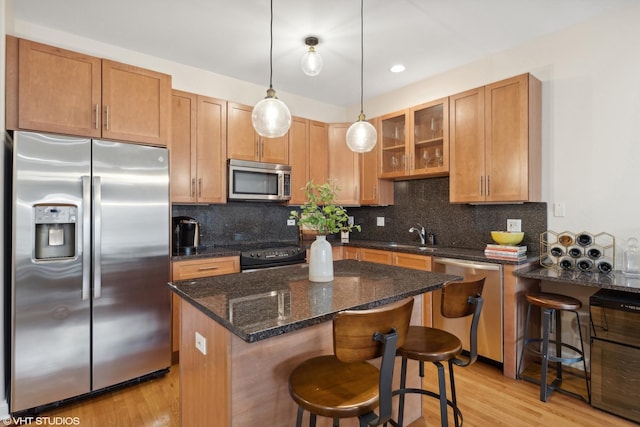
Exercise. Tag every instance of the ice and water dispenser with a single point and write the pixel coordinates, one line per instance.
(55, 235)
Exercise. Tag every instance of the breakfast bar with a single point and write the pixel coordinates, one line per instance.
(241, 335)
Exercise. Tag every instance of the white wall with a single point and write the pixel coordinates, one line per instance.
(591, 118)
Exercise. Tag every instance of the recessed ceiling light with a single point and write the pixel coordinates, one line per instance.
(398, 68)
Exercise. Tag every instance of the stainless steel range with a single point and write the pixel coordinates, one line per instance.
(268, 254)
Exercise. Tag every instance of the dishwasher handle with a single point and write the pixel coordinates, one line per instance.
(467, 264)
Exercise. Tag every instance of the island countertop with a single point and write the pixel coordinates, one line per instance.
(266, 303)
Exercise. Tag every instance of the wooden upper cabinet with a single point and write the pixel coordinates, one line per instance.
(245, 144)
(467, 146)
(182, 147)
(211, 161)
(496, 142)
(344, 165)
(61, 91)
(299, 159)
(373, 190)
(198, 149)
(513, 139)
(318, 151)
(415, 142)
(57, 90)
(136, 104)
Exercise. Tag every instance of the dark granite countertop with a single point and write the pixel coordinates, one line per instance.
(437, 251)
(207, 252)
(266, 303)
(615, 280)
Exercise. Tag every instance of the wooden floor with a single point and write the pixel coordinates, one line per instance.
(485, 396)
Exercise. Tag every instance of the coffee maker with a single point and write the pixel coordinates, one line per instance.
(186, 235)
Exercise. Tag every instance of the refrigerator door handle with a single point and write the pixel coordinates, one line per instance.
(97, 233)
(86, 237)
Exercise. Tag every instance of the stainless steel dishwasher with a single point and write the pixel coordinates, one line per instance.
(490, 327)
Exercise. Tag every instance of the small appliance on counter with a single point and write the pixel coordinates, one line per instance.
(186, 235)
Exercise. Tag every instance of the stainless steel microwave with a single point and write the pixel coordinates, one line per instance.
(259, 181)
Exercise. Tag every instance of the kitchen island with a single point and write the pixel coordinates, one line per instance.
(242, 334)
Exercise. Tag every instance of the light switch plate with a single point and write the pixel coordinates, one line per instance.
(514, 225)
(380, 221)
(201, 343)
(291, 222)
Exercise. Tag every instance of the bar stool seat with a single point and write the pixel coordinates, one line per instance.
(552, 306)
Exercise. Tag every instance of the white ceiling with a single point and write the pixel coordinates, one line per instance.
(231, 37)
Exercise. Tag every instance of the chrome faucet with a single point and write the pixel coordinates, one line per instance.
(421, 231)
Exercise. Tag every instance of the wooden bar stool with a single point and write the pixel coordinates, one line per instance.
(552, 306)
(425, 344)
(344, 384)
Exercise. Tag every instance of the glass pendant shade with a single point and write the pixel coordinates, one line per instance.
(271, 117)
(311, 63)
(361, 136)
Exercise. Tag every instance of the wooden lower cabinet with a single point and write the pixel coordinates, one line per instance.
(400, 259)
(246, 384)
(193, 269)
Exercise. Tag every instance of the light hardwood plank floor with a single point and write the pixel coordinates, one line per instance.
(485, 396)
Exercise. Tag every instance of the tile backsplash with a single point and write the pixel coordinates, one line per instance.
(424, 201)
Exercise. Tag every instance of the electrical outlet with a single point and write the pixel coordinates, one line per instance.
(291, 222)
(380, 221)
(350, 220)
(514, 225)
(201, 343)
(558, 209)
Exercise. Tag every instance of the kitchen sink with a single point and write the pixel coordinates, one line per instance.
(413, 247)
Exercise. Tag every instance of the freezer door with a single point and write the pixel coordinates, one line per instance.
(131, 309)
(50, 322)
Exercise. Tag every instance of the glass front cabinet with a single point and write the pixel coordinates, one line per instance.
(415, 142)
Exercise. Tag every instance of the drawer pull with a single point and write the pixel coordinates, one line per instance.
(213, 267)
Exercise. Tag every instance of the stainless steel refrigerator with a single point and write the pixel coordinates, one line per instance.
(90, 266)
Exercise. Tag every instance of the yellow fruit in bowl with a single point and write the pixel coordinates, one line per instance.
(507, 237)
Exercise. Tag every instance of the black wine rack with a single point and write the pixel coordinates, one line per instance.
(584, 251)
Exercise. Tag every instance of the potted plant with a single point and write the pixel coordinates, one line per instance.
(321, 214)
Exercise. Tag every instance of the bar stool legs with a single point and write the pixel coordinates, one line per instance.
(553, 305)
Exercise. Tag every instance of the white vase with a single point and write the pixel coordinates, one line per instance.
(320, 260)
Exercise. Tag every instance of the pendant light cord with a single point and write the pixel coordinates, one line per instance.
(271, 49)
(361, 57)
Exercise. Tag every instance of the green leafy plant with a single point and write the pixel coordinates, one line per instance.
(320, 213)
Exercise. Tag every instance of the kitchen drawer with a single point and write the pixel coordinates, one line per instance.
(205, 267)
(375, 255)
(417, 262)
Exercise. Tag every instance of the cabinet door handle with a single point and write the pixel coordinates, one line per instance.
(199, 187)
(261, 149)
(106, 121)
(193, 187)
(375, 191)
(258, 149)
(213, 267)
(481, 186)
(488, 185)
(97, 116)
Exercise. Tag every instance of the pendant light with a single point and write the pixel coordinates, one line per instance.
(271, 117)
(311, 63)
(362, 135)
